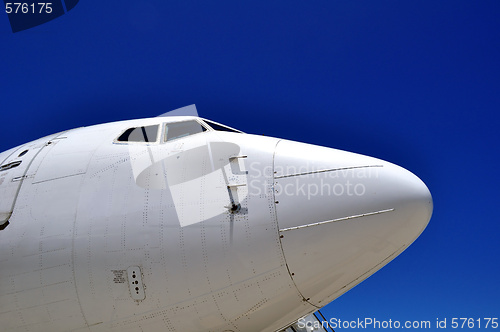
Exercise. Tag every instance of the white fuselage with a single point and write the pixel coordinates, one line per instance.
(214, 231)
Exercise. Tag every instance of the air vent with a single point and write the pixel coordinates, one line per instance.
(10, 165)
(23, 153)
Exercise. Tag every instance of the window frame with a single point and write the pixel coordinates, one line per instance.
(159, 125)
(232, 130)
(161, 134)
(203, 125)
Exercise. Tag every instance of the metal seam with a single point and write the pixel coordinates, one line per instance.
(336, 220)
(325, 170)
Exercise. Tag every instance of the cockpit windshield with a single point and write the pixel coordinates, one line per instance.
(173, 131)
(139, 134)
(177, 130)
(219, 127)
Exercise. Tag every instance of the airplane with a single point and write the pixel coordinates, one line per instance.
(181, 223)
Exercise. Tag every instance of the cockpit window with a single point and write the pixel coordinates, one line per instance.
(219, 127)
(140, 134)
(176, 130)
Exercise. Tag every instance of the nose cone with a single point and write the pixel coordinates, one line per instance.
(342, 216)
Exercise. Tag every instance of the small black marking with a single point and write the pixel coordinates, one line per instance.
(2, 227)
(10, 165)
(119, 277)
(23, 153)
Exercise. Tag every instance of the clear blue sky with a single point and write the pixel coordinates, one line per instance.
(416, 83)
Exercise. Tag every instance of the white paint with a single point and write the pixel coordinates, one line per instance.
(89, 212)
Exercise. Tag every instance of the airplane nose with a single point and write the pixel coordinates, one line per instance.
(342, 216)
